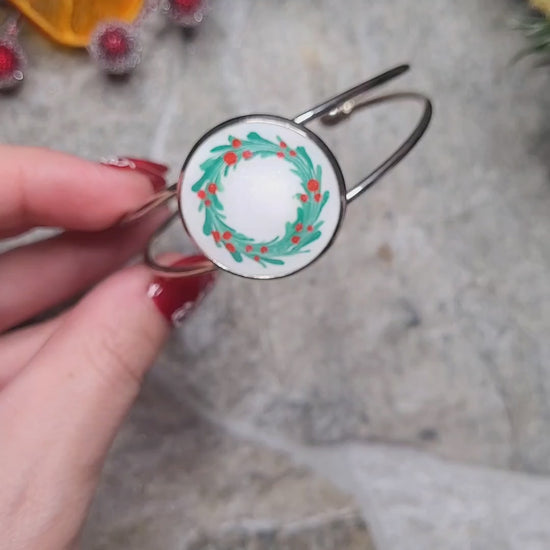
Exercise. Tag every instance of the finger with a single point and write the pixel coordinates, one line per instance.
(61, 413)
(42, 274)
(39, 187)
(17, 348)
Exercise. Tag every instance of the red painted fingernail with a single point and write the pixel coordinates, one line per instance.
(154, 171)
(176, 297)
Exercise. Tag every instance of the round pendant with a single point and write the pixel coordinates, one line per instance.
(261, 196)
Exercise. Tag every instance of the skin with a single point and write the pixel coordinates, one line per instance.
(66, 384)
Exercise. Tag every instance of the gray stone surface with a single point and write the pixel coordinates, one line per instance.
(175, 480)
(426, 325)
(326, 534)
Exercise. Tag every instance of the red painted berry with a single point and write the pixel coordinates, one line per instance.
(216, 235)
(313, 185)
(299, 227)
(201, 194)
(283, 145)
(264, 249)
(207, 202)
(292, 153)
(212, 188)
(230, 158)
(280, 154)
(236, 143)
(295, 239)
(318, 197)
(249, 248)
(303, 198)
(230, 247)
(247, 155)
(257, 258)
(310, 228)
(227, 235)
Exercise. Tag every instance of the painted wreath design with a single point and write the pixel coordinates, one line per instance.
(299, 233)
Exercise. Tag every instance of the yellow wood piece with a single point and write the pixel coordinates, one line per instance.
(71, 22)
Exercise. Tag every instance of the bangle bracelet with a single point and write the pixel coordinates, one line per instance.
(263, 196)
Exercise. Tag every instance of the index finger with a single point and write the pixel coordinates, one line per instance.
(45, 188)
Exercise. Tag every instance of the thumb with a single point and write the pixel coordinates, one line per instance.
(62, 412)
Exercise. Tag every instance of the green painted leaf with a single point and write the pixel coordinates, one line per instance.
(303, 153)
(254, 136)
(326, 195)
(220, 148)
(319, 172)
(273, 261)
(237, 256)
(209, 163)
(200, 184)
(207, 227)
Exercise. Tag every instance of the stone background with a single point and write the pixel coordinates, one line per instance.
(394, 396)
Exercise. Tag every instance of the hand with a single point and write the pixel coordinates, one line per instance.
(67, 383)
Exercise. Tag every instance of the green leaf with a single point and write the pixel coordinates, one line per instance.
(237, 256)
(303, 153)
(209, 163)
(216, 202)
(220, 148)
(207, 227)
(273, 261)
(314, 236)
(254, 136)
(197, 186)
(319, 173)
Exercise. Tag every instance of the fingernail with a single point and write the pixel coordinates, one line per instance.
(177, 297)
(153, 170)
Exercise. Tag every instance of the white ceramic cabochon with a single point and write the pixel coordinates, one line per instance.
(259, 198)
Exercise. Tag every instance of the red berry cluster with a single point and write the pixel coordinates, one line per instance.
(231, 157)
(227, 236)
(313, 188)
(231, 247)
(203, 196)
(284, 146)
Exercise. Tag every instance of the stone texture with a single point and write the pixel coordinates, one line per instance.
(176, 481)
(417, 501)
(326, 534)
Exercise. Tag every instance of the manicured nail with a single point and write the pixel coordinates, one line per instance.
(177, 297)
(154, 171)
